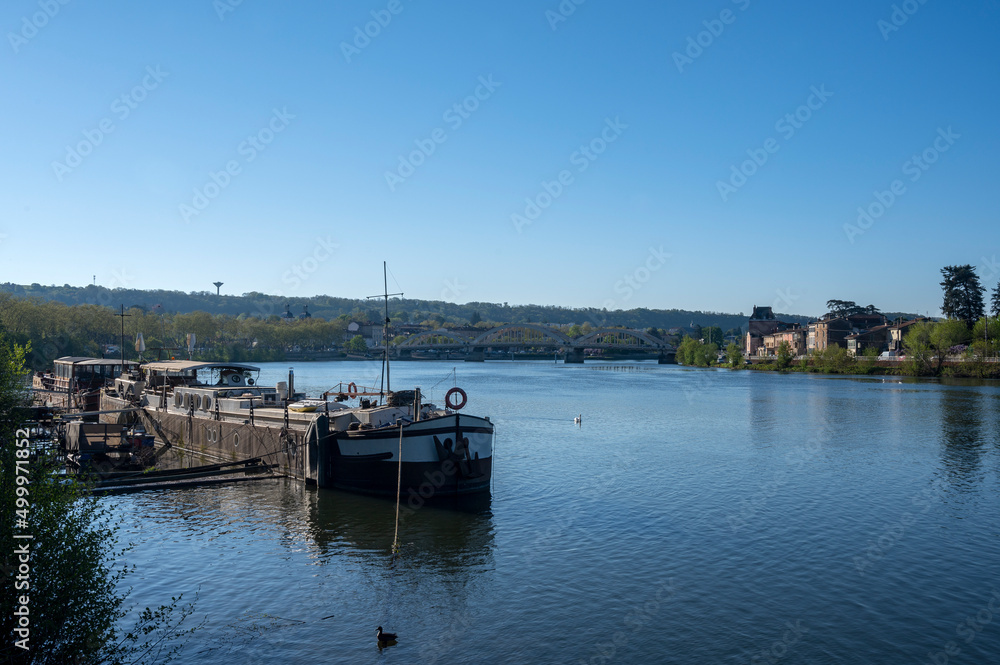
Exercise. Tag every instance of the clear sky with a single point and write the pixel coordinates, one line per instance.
(696, 155)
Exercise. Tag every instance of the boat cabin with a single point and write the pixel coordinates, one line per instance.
(207, 386)
(82, 373)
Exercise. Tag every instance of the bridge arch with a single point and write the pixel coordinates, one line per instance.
(612, 337)
(523, 334)
(436, 338)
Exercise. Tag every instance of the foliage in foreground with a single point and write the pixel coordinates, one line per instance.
(72, 578)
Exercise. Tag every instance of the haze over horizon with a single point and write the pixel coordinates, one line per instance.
(691, 156)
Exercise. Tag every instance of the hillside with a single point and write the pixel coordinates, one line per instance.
(261, 305)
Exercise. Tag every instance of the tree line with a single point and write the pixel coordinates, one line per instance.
(403, 310)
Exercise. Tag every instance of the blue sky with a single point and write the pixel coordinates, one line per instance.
(594, 157)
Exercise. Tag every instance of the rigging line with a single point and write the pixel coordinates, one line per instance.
(396, 281)
(399, 486)
(442, 380)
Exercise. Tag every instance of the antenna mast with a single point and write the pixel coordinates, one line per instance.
(385, 331)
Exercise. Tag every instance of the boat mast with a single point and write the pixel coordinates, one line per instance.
(385, 332)
(121, 346)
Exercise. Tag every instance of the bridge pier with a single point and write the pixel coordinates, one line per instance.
(476, 355)
(574, 356)
(667, 358)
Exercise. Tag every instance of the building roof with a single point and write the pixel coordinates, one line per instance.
(84, 360)
(178, 366)
(904, 324)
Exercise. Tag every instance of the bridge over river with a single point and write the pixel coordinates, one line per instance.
(529, 336)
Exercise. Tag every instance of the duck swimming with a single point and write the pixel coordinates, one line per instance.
(385, 637)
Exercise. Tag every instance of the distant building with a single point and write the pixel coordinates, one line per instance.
(877, 337)
(834, 330)
(762, 322)
(305, 313)
(897, 332)
(794, 334)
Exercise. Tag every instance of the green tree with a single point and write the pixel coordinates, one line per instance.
(784, 355)
(868, 360)
(833, 360)
(72, 588)
(356, 345)
(995, 304)
(945, 335)
(734, 354)
(712, 335)
(474, 318)
(917, 345)
(984, 338)
(963, 294)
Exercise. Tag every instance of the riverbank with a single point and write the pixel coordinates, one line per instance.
(971, 369)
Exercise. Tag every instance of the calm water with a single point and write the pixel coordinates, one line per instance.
(696, 516)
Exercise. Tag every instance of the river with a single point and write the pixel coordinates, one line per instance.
(693, 516)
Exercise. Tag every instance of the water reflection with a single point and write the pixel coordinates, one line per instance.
(962, 413)
(448, 539)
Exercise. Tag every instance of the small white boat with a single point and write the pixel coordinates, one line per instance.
(307, 405)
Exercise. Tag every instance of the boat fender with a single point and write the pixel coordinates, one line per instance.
(352, 390)
(178, 399)
(455, 406)
(206, 402)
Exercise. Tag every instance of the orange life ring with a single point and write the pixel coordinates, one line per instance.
(352, 390)
(455, 406)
